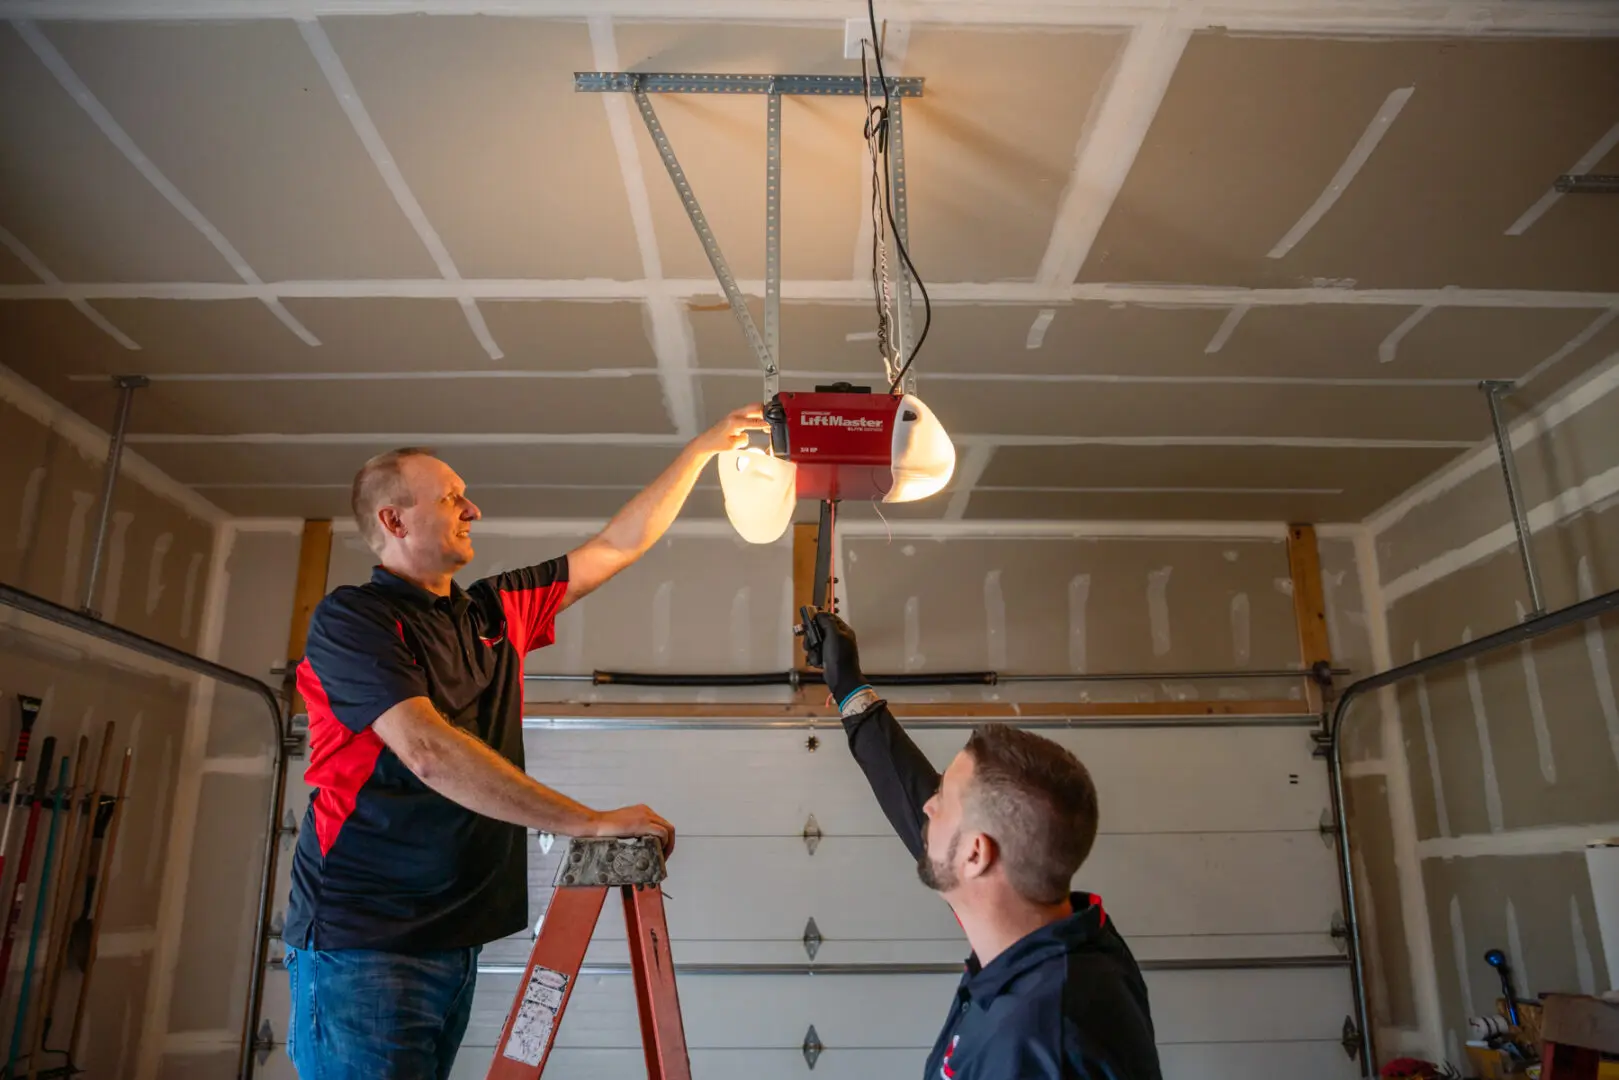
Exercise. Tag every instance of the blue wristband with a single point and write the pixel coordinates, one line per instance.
(863, 686)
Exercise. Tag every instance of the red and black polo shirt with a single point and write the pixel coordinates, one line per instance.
(383, 861)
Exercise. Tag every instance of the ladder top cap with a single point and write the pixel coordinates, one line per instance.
(611, 861)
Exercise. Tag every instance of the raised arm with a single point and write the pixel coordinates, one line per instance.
(900, 775)
(645, 518)
(363, 686)
(467, 771)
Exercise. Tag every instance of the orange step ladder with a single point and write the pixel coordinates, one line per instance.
(590, 868)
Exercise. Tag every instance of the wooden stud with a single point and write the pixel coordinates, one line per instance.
(314, 560)
(805, 536)
(1309, 606)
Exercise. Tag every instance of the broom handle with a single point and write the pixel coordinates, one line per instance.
(102, 881)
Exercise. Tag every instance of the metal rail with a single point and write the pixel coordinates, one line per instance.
(795, 678)
(538, 721)
(630, 82)
(127, 385)
(1235, 963)
(1512, 635)
(40, 608)
(1494, 389)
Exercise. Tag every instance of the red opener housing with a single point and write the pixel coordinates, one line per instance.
(841, 441)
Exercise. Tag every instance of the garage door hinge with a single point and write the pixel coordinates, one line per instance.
(812, 938)
(1329, 828)
(287, 829)
(263, 1043)
(812, 834)
(1351, 1041)
(278, 927)
(1323, 744)
(812, 1047)
(1339, 932)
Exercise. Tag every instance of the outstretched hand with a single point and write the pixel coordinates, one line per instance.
(731, 433)
(839, 655)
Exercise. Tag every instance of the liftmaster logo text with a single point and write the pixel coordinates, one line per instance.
(853, 423)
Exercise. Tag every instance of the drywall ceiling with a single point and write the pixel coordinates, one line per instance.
(1187, 262)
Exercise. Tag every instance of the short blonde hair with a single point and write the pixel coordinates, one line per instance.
(379, 483)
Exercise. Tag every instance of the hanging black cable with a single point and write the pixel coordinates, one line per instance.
(888, 202)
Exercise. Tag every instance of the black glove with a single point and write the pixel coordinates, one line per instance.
(840, 656)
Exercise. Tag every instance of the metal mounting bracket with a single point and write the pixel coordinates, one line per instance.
(812, 1047)
(812, 833)
(263, 1043)
(1339, 932)
(812, 938)
(1588, 184)
(903, 318)
(766, 346)
(287, 830)
(278, 926)
(629, 82)
(711, 246)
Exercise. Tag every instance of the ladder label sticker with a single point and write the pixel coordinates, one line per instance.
(536, 1016)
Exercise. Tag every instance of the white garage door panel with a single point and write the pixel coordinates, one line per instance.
(765, 783)
(1248, 1006)
(742, 1011)
(1324, 1060)
(577, 1064)
(865, 888)
(897, 1011)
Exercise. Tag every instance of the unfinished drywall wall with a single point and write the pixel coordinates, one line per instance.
(1471, 819)
(927, 601)
(155, 570)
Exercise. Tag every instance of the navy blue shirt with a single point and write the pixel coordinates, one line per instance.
(1066, 1002)
(383, 861)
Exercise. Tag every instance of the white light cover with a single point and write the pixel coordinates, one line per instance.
(760, 492)
(924, 458)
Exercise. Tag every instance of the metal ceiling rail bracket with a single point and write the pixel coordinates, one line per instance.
(1494, 389)
(772, 240)
(903, 317)
(1527, 630)
(767, 346)
(711, 246)
(1588, 184)
(629, 82)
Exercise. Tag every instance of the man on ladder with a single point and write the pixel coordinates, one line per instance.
(413, 852)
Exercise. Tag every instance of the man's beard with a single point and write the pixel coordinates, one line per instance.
(938, 876)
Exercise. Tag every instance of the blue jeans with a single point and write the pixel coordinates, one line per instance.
(358, 1014)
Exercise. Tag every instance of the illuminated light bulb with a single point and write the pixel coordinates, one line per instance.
(923, 458)
(760, 493)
